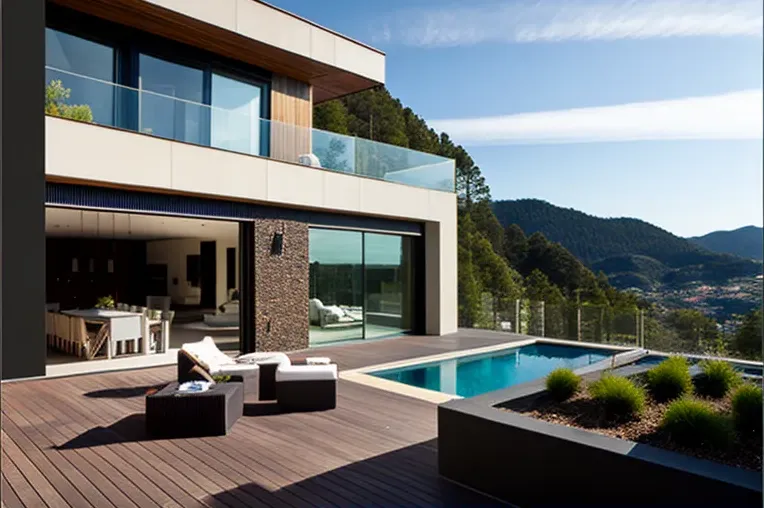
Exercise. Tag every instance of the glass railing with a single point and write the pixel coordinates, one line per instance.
(87, 99)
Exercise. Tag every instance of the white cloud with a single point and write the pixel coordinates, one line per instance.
(564, 20)
(735, 115)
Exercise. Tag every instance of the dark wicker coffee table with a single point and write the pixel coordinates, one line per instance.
(170, 413)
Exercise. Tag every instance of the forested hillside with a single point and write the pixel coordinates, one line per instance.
(631, 251)
(534, 252)
(746, 242)
(491, 259)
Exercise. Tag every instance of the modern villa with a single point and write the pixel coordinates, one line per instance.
(206, 301)
(187, 193)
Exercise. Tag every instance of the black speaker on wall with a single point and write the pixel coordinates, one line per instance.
(277, 246)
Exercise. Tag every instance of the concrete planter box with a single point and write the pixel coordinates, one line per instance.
(529, 462)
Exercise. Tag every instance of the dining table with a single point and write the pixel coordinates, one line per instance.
(121, 326)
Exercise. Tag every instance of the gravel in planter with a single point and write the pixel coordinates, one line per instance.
(583, 412)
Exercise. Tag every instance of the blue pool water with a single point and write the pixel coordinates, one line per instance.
(474, 375)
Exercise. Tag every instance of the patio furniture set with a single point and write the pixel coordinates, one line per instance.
(255, 377)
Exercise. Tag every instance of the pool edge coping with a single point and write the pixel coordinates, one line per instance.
(364, 377)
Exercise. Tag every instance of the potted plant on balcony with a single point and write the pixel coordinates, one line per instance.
(56, 96)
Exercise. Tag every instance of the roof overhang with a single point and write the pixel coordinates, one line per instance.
(255, 33)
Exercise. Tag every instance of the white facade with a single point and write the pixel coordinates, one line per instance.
(86, 153)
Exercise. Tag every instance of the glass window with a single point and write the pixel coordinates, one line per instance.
(171, 97)
(235, 115)
(336, 285)
(388, 271)
(78, 76)
(361, 285)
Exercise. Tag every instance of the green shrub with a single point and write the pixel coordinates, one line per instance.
(562, 384)
(694, 423)
(717, 378)
(619, 396)
(670, 379)
(747, 409)
(56, 95)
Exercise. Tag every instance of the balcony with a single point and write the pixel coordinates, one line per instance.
(90, 100)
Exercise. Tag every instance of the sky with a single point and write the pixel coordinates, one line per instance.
(618, 108)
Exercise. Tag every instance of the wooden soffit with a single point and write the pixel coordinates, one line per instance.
(328, 81)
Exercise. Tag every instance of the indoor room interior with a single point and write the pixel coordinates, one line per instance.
(107, 272)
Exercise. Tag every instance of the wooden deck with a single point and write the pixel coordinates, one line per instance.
(80, 442)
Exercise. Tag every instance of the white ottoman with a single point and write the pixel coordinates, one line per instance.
(306, 387)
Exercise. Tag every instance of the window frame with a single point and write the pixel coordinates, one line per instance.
(129, 43)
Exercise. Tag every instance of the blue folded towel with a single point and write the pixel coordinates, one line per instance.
(194, 386)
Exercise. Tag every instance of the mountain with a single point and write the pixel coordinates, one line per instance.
(746, 242)
(632, 252)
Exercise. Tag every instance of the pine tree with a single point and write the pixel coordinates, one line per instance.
(749, 336)
(331, 116)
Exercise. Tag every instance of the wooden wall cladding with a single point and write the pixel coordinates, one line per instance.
(292, 115)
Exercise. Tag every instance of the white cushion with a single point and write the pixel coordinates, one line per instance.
(318, 360)
(234, 369)
(314, 310)
(306, 373)
(206, 351)
(331, 314)
(264, 357)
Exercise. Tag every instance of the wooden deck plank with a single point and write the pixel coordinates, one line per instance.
(108, 409)
(376, 448)
(62, 475)
(25, 492)
(10, 499)
(115, 486)
(126, 476)
(134, 482)
(146, 462)
(300, 460)
(214, 468)
(36, 478)
(307, 442)
(79, 414)
(78, 460)
(297, 461)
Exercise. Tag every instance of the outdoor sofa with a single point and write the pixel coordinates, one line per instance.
(266, 375)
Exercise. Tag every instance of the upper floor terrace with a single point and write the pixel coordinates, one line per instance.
(107, 67)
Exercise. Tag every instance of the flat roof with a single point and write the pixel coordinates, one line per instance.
(256, 33)
(306, 20)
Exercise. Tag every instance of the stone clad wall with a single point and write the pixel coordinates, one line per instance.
(281, 286)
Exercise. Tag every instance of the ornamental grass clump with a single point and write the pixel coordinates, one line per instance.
(717, 377)
(694, 423)
(670, 379)
(747, 409)
(620, 397)
(562, 384)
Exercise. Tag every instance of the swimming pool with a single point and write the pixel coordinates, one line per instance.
(474, 375)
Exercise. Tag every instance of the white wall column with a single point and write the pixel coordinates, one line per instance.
(441, 272)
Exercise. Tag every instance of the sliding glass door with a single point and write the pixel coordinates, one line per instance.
(388, 274)
(361, 285)
(336, 285)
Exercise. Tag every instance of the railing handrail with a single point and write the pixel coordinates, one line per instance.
(231, 111)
